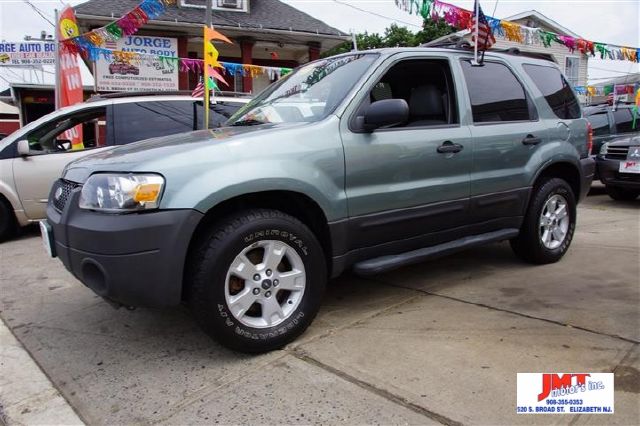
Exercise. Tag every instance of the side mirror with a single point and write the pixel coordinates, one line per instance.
(23, 148)
(384, 113)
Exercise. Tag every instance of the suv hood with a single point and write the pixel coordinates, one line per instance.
(624, 141)
(154, 154)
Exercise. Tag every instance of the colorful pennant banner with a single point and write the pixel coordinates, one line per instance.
(129, 24)
(462, 19)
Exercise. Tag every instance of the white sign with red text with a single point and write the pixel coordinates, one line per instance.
(565, 393)
(149, 73)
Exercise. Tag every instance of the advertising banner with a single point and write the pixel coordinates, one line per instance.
(27, 53)
(146, 74)
(70, 79)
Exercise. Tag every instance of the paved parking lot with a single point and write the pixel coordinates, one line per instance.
(439, 342)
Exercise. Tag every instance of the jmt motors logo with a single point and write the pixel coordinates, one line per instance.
(556, 384)
(565, 393)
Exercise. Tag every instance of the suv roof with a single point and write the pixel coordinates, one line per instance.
(461, 48)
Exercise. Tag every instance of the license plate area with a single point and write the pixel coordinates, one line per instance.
(47, 238)
(627, 166)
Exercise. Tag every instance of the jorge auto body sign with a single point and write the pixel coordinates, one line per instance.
(146, 73)
(27, 53)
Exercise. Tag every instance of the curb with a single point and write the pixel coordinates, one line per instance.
(27, 396)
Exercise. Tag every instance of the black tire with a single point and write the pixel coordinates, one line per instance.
(528, 245)
(8, 225)
(622, 194)
(211, 259)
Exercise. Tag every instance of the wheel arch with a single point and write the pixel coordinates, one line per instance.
(296, 204)
(565, 170)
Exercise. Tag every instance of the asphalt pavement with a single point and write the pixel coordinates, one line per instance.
(438, 342)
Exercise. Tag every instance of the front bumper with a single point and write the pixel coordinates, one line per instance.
(608, 171)
(587, 171)
(131, 259)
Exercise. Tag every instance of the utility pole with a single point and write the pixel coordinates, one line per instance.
(58, 58)
(208, 13)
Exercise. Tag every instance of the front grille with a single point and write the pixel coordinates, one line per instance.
(62, 192)
(617, 152)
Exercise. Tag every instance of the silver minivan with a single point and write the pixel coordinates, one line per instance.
(33, 157)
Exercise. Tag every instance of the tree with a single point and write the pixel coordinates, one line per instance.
(395, 36)
(432, 30)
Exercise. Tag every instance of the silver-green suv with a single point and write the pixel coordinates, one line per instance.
(368, 160)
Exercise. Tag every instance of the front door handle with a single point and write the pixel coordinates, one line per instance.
(531, 140)
(449, 147)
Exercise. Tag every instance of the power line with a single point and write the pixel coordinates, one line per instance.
(608, 70)
(39, 12)
(377, 14)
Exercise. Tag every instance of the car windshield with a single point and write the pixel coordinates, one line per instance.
(308, 94)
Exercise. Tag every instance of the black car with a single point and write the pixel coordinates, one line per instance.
(619, 167)
(609, 122)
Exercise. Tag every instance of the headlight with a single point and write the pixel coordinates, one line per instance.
(121, 193)
(603, 148)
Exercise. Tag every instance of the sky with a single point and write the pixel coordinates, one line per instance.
(609, 21)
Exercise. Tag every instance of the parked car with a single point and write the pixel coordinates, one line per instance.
(123, 68)
(619, 166)
(609, 122)
(415, 153)
(32, 158)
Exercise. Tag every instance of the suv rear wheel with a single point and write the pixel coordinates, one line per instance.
(549, 223)
(256, 280)
(622, 194)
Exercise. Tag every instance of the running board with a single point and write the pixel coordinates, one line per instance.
(386, 263)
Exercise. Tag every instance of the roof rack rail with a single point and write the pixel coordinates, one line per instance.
(117, 95)
(459, 43)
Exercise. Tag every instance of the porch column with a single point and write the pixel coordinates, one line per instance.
(246, 49)
(314, 50)
(183, 77)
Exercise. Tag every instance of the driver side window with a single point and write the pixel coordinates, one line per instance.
(427, 87)
(77, 131)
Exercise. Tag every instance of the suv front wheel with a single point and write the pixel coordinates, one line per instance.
(256, 280)
(549, 223)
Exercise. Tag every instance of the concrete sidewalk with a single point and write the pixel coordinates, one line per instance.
(439, 342)
(27, 397)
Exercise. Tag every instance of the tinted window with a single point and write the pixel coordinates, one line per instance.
(599, 123)
(219, 113)
(555, 90)
(624, 120)
(143, 120)
(495, 93)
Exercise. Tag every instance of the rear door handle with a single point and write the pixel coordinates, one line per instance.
(449, 147)
(531, 140)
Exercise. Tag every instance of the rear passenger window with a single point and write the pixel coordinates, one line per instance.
(496, 94)
(555, 90)
(143, 120)
(599, 123)
(624, 120)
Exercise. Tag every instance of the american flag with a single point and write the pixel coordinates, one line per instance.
(198, 92)
(485, 34)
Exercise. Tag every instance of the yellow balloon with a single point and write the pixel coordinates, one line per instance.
(68, 28)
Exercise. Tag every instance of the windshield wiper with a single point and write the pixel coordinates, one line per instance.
(248, 122)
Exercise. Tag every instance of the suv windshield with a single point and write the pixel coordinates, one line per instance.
(308, 94)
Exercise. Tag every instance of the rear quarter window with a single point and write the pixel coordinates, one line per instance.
(623, 119)
(136, 121)
(555, 89)
(599, 123)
